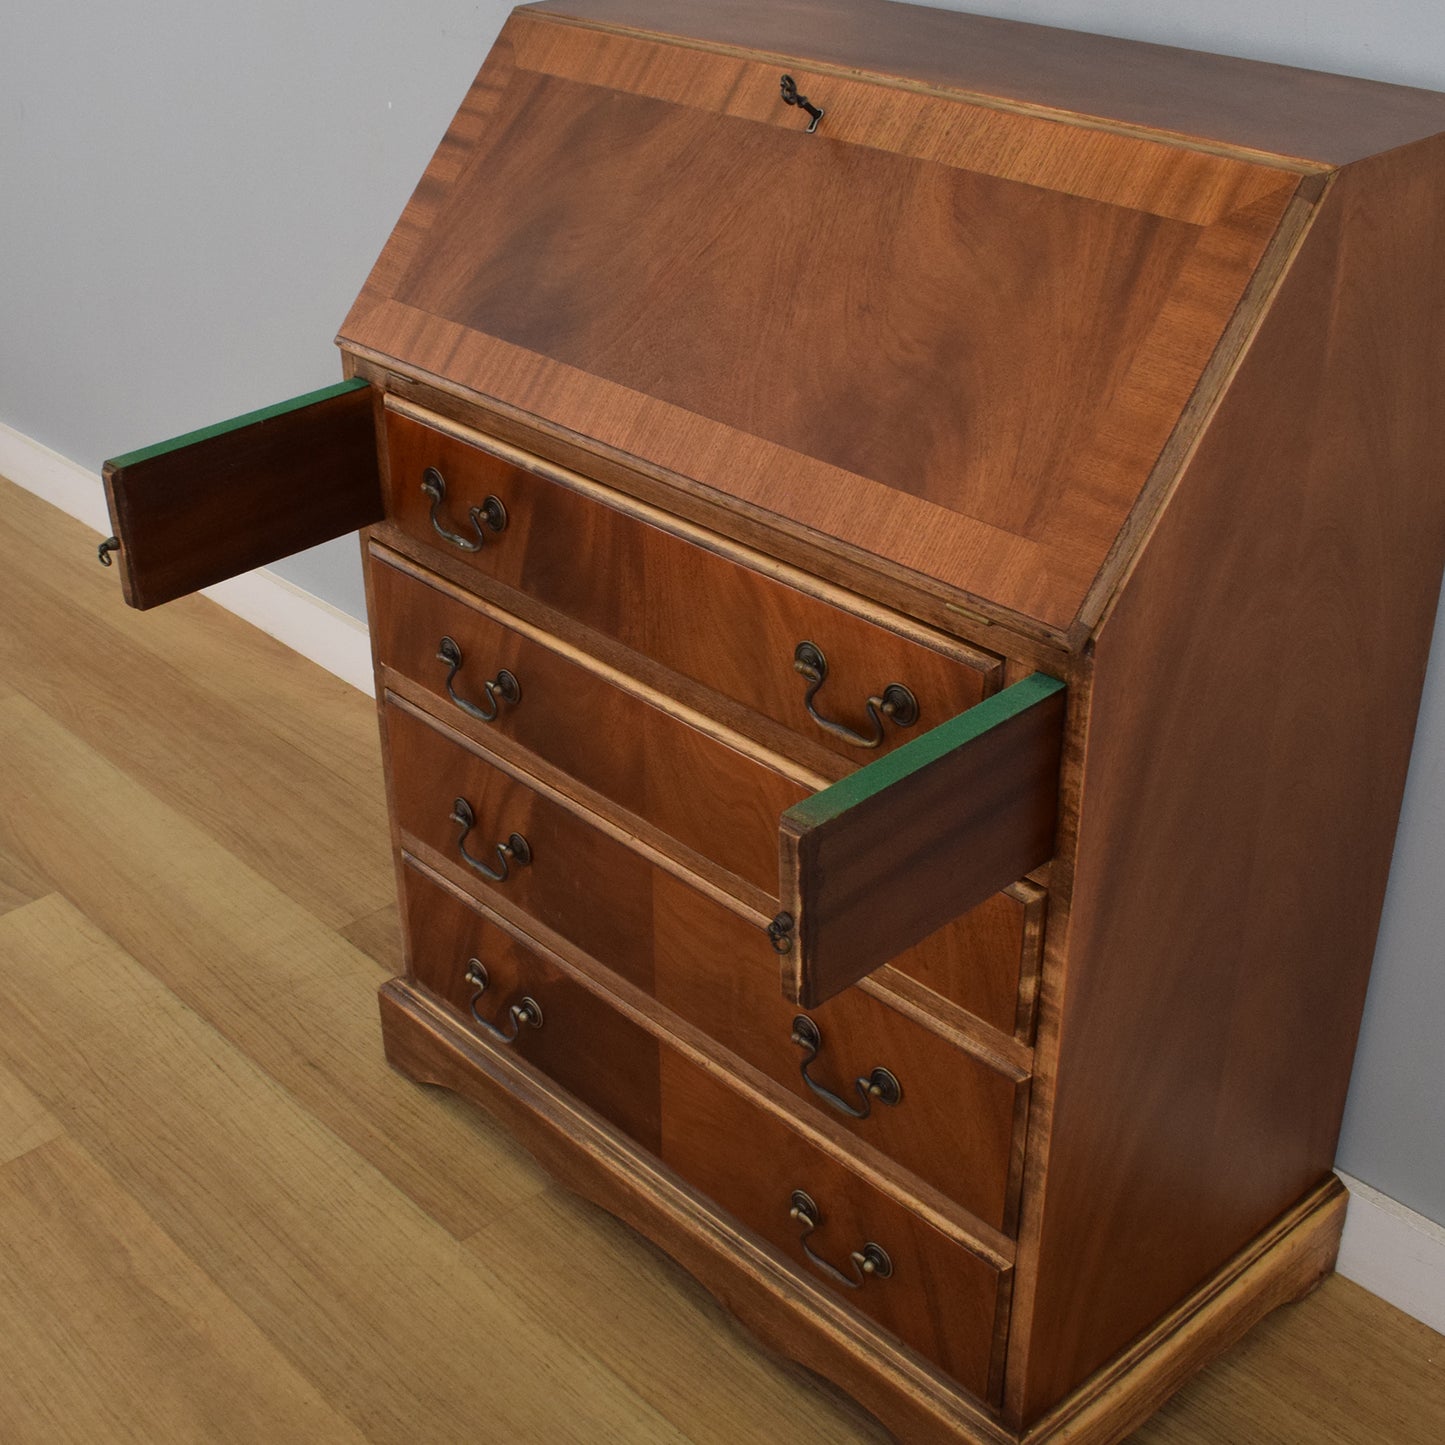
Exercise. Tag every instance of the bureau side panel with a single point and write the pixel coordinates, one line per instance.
(1254, 700)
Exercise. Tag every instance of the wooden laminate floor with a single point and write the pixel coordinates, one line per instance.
(222, 1218)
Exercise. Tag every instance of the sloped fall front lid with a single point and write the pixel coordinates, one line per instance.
(957, 336)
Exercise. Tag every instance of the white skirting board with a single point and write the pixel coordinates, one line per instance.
(329, 637)
(1391, 1251)
(1394, 1253)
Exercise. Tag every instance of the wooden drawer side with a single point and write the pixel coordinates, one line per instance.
(209, 505)
(877, 862)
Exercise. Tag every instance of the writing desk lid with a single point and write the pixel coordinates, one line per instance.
(953, 337)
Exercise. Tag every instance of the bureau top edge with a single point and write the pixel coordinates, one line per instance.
(1297, 117)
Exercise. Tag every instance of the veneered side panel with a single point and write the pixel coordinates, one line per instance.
(1254, 702)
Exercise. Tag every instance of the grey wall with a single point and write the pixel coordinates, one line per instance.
(191, 195)
(1402, 41)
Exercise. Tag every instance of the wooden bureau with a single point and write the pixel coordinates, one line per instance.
(901, 551)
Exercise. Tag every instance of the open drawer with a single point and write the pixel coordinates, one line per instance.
(213, 503)
(874, 864)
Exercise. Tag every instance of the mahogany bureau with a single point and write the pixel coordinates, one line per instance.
(901, 557)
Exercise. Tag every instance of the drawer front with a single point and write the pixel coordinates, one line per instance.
(958, 1118)
(712, 798)
(597, 892)
(697, 611)
(723, 803)
(519, 1000)
(938, 1110)
(941, 1298)
(579, 881)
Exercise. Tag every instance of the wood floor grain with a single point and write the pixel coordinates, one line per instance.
(213, 723)
(659, 1330)
(113, 1334)
(270, 977)
(1340, 1368)
(378, 935)
(25, 1123)
(229, 1221)
(366, 1295)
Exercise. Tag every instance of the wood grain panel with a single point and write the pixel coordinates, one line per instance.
(877, 862)
(961, 561)
(1180, 356)
(712, 966)
(1219, 99)
(947, 1303)
(958, 1118)
(710, 796)
(1151, 174)
(112, 1333)
(596, 887)
(218, 502)
(987, 961)
(991, 305)
(674, 598)
(608, 1062)
(1282, 1265)
(1254, 702)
